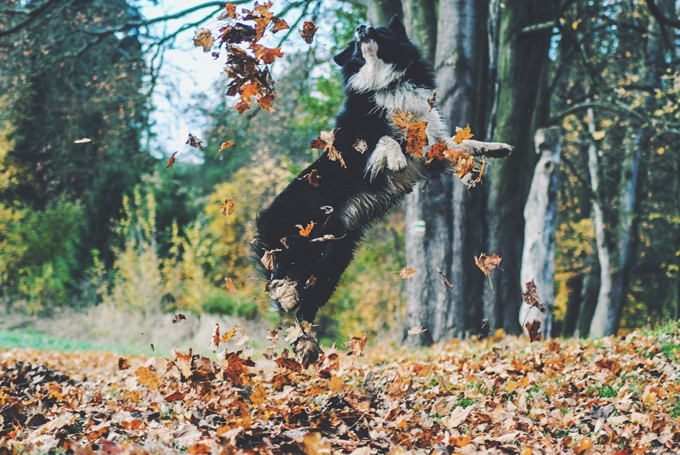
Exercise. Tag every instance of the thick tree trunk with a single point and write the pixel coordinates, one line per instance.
(540, 213)
(380, 12)
(522, 63)
(445, 210)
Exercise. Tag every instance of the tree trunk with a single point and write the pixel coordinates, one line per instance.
(380, 12)
(445, 210)
(540, 212)
(522, 63)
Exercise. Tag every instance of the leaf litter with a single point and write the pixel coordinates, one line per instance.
(500, 395)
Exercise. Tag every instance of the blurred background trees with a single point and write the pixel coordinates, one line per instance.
(103, 220)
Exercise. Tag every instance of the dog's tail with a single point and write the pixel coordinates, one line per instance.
(468, 159)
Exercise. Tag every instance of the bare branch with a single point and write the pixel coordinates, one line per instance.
(32, 15)
(663, 20)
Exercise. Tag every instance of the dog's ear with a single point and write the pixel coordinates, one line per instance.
(396, 26)
(345, 55)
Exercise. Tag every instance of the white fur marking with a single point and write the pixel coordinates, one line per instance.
(375, 74)
(386, 154)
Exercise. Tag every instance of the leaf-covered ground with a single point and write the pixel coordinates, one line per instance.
(501, 395)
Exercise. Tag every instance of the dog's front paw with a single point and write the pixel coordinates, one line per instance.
(387, 154)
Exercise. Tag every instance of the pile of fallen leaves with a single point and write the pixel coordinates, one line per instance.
(502, 395)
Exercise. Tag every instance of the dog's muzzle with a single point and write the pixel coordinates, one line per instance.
(363, 34)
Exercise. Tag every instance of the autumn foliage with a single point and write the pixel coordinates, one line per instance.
(499, 395)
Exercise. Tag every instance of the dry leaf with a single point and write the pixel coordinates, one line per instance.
(147, 377)
(323, 238)
(308, 31)
(356, 345)
(82, 141)
(178, 317)
(305, 231)
(123, 364)
(193, 141)
(416, 330)
(530, 297)
(231, 10)
(532, 328)
(171, 161)
(436, 152)
(406, 273)
(227, 207)
(360, 146)
(230, 286)
(328, 137)
(204, 38)
(402, 119)
(285, 293)
(279, 24)
(462, 134)
(269, 259)
(311, 281)
(416, 138)
(225, 145)
(312, 177)
(432, 100)
(487, 263)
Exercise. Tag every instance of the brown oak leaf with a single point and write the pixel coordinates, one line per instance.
(531, 298)
(308, 31)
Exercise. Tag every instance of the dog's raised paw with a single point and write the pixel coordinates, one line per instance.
(387, 154)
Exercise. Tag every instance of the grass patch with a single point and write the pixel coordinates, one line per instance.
(11, 339)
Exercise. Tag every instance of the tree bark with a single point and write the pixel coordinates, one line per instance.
(540, 213)
(445, 210)
(522, 63)
(380, 12)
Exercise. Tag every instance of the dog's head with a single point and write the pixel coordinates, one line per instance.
(378, 57)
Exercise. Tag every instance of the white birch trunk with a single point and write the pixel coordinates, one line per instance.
(540, 211)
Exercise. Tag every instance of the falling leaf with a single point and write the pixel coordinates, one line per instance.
(416, 138)
(432, 100)
(318, 144)
(279, 24)
(599, 135)
(481, 172)
(225, 145)
(312, 177)
(327, 209)
(405, 273)
(531, 298)
(285, 293)
(284, 242)
(328, 137)
(265, 102)
(360, 146)
(462, 134)
(305, 231)
(82, 141)
(308, 31)
(229, 335)
(266, 54)
(436, 152)
(152, 348)
(311, 282)
(231, 10)
(416, 330)
(487, 263)
(402, 119)
(227, 207)
(215, 339)
(269, 260)
(193, 141)
(532, 328)
(171, 161)
(325, 238)
(443, 280)
(356, 345)
(249, 90)
(204, 38)
(230, 286)
(242, 106)
(123, 364)
(178, 317)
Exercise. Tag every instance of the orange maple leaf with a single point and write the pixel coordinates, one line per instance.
(436, 152)
(242, 107)
(279, 24)
(231, 10)
(265, 102)
(308, 31)
(265, 54)
(462, 134)
(402, 119)
(305, 231)
(416, 138)
(249, 90)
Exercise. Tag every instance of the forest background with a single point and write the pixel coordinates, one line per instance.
(104, 224)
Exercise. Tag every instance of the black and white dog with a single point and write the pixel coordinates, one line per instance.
(383, 72)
